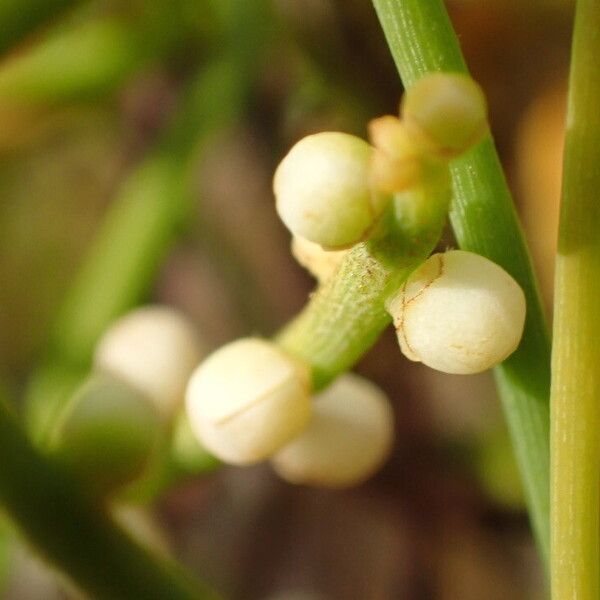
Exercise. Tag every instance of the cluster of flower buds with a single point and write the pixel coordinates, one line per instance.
(459, 312)
(250, 401)
(247, 402)
(332, 188)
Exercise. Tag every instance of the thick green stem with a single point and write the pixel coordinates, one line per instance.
(74, 533)
(575, 397)
(421, 39)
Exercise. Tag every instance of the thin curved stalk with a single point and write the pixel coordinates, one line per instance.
(421, 40)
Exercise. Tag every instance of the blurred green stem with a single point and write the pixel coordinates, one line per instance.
(74, 533)
(82, 61)
(18, 18)
(575, 397)
(152, 206)
(421, 39)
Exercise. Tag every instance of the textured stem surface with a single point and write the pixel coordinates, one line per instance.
(347, 314)
(422, 40)
(575, 398)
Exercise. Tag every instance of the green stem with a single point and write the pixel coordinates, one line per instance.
(575, 398)
(74, 533)
(346, 315)
(18, 18)
(421, 39)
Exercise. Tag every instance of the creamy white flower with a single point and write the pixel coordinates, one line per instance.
(459, 313)
(322, 190)
(247, 400)
(349, 437)
(154, 349)
(320, 263)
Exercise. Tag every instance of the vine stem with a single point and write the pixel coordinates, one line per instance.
(421, 39)
(575, 397)
(74, 532)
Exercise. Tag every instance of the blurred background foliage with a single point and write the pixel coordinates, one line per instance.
(157, 126)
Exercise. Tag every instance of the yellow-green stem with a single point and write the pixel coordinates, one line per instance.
(575, 390)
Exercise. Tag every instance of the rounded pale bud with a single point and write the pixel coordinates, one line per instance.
(349, 437)
(320, 263)
(396, 164)
(459, 313)
(445, 113)
(107, 433)
(155, 349)
(323, 193)
(248, 399)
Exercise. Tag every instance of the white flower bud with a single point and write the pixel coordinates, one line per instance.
(247, 400)
(397, 164)
(320, 263)
(445, 113)
(459, 313)
(323, 193)
(347, 440)
(154, 349)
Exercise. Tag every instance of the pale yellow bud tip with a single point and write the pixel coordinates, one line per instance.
(349, 437)
(322, 264)
(322, 190)
(459, 313)
(154, 349)
(445, 113)
(396, 163)
(247, 400)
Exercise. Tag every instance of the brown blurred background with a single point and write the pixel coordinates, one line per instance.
(444, 519)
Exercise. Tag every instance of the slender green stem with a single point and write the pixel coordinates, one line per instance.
(18, 18)
(421, 39)
(74, 533)
(575, 397)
